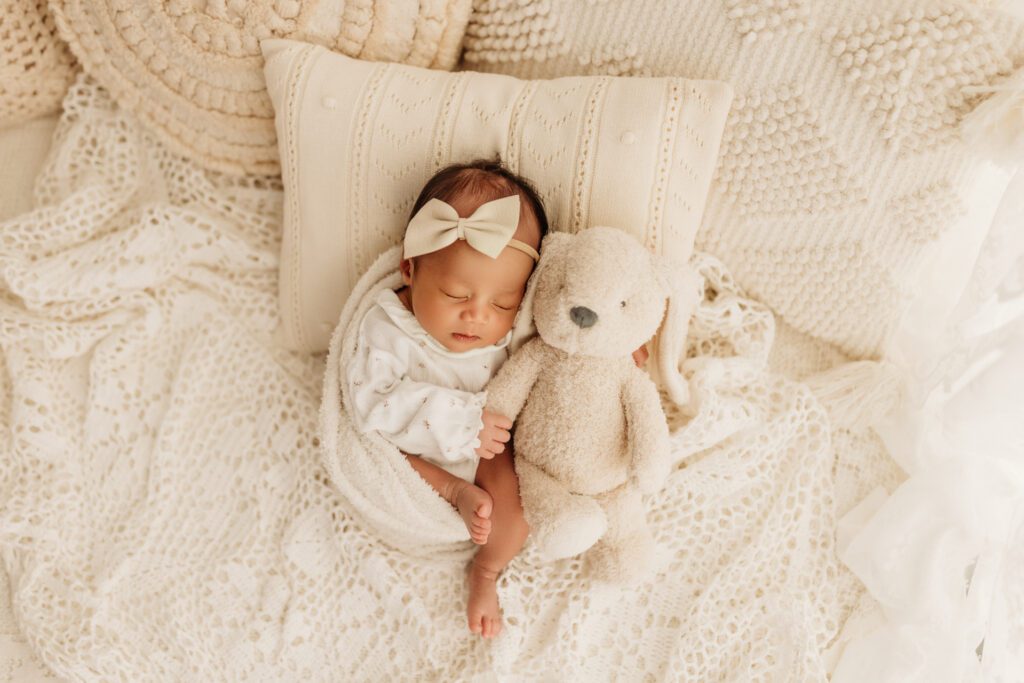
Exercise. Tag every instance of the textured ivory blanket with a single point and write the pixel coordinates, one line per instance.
(166, 512)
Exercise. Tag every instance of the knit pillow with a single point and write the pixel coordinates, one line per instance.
(192, 71)
(843, 159)
(359, 140)
(36, 67)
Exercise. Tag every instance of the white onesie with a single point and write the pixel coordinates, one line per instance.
(420, 396)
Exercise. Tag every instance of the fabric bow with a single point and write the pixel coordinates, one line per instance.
(488, 230)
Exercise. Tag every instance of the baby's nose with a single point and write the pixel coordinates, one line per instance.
(475, 310)
(583, 316)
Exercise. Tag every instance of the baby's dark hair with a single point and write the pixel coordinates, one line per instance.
(487, 177)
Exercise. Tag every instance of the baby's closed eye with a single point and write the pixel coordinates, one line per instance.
(503, 304)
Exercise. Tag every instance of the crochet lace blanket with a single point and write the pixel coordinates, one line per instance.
(166, 513)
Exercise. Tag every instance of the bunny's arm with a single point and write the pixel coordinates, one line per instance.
(507, 392)
(647, 432)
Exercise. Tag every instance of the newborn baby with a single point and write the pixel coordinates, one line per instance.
(426, 351)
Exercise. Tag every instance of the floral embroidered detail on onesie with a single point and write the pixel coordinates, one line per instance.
(424, 398)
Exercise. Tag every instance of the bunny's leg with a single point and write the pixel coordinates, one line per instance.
(562, 523)
(625, 554)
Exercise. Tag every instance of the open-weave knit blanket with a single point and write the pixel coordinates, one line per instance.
(165, 512)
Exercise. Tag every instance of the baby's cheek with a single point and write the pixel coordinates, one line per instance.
(504, 324)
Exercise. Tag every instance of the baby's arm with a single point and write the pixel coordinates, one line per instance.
(418, 417)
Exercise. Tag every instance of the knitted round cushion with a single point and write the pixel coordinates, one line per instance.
(193, 72)
(36, 66)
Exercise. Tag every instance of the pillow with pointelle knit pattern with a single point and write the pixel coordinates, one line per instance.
(359, 139)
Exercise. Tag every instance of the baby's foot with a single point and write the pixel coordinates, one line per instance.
(483, 612)
(475, 505)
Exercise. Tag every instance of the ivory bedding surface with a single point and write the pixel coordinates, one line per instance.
(166, 510)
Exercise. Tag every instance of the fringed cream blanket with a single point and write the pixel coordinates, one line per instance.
(167, 513)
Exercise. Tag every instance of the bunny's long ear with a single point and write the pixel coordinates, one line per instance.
(685, 290)
(523, 328)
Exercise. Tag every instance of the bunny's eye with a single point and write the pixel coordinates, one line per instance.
(622, 304)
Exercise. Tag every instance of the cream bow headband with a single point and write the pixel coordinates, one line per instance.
(488, 230)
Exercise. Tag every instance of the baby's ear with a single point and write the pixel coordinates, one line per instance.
(406, 268)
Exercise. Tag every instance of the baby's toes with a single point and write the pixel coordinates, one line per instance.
(475, 622)
(483, 508)
(480, 530)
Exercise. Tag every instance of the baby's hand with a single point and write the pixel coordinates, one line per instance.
(494, 435)
(640, 356)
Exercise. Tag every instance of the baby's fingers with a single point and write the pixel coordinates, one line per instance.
(502, 422)
(495, 447)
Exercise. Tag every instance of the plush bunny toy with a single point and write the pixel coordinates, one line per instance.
(590, 433)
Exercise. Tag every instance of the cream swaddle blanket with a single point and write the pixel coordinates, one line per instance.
(369, 470)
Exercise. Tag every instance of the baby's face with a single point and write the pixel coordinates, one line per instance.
(465, 299)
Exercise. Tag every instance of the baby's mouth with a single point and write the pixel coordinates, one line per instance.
(465, 337)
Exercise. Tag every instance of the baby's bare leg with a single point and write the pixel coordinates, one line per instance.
(498, 477)
(473, 503)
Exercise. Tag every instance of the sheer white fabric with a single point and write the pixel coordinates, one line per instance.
(943, 556)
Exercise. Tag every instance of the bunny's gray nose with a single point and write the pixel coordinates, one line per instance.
(583, 316)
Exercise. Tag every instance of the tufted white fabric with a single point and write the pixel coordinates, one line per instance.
(359, 140)
(36, 66)
(192, 70)
(842, 159)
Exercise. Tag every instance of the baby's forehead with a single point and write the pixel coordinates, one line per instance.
(459, 262)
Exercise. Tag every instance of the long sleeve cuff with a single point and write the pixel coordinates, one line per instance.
(460, 438)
